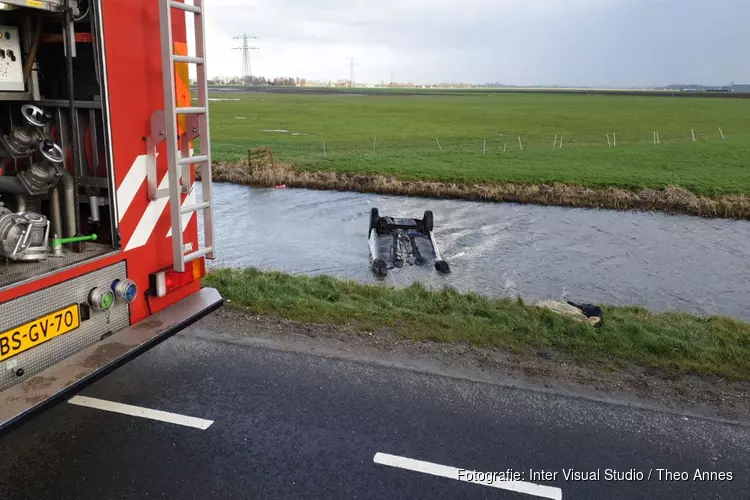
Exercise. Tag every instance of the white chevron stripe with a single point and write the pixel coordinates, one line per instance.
(189, 200)
(150, 217)
(130, 185)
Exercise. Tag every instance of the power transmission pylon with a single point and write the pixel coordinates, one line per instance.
(245, 48)
(352, 63)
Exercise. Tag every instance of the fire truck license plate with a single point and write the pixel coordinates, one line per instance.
(37, 332)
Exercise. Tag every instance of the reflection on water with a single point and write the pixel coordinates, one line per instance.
(500, 249)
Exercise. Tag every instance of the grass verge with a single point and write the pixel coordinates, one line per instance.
(677, 343)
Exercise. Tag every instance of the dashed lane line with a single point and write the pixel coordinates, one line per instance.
(466, 475)
(137, 411)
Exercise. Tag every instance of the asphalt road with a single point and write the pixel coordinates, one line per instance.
(291, 425)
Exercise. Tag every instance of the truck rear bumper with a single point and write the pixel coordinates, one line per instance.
(22, 401)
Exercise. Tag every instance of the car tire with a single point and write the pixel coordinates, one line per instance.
(374, 217)
(427, 221)
(442, 267)
(380, 268)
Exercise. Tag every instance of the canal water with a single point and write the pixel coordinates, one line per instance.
(498, 249)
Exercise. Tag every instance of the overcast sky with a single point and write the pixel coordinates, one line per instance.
(518, 42)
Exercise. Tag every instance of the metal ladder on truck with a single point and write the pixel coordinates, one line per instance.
(179, 156)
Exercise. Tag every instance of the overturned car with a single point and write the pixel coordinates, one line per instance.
(395, 242)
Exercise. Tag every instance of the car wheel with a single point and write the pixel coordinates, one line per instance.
(374, 216)
(427, 221)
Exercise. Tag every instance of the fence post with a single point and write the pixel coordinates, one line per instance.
(484, 146)
(438, 143)
(520, 144)
(324, 149)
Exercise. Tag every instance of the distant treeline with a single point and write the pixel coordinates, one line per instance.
(293, 89)
(260, 81)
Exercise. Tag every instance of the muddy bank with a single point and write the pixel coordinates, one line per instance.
(262, 171)
(549, 370)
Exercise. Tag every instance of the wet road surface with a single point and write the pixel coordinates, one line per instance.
(297, 425)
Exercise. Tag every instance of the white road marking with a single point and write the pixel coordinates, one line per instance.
(137, 411)
(537, 490)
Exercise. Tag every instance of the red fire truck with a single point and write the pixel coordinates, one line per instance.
(103, 239)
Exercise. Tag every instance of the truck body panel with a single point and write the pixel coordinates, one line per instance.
(124, 38)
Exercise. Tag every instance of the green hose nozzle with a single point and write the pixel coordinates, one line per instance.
(74, 239)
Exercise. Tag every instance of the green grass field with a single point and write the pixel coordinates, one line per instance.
(675, 342)
(396, 135)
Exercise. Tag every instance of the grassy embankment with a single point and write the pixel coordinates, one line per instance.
(387, 143)
(677, 343)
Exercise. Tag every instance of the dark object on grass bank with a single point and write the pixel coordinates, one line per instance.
(591, 311)
(396, 242)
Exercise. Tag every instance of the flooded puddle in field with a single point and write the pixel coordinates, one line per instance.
(500, 249)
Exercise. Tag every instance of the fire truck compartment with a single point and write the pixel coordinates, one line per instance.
(56, 194)
(12, 273)
(42, 4)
